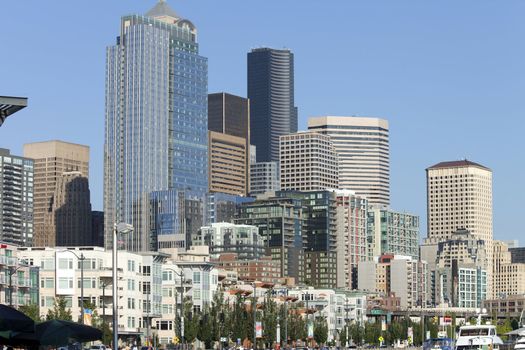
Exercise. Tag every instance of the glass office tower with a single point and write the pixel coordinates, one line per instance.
(156, 119)
(271, 95)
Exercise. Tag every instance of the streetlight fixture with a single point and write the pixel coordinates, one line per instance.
(121, 228)
(80, 258)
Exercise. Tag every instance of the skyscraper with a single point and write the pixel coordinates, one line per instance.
(229, 144)
(16, 199)
(363, 152)
(308, 162)
(459, 196)
(52, 159)
(271, 95)
(70, 214)
(156, 120)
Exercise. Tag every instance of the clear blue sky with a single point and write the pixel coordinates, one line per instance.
(448, 75)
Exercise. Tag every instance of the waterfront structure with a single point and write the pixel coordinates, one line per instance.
(156, 123)
(10, 105)
(459, 195)
(319, 236)
(308, 161)
(352, 237)
(363, 150)
(18, 280)
(402, 275)
(16, 199)
(392, 232)
(509, 277)
(228, 164)
(69, 217)
(271, 95)
(264, 178)
(244, 240)
(51, 160)
(139, 283)
(280, 223)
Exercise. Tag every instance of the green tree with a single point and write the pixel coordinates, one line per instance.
(342, 335)
(32, 311)
(356, 332)
(320, 330)
(296, 326)
(59, 310)
(503, 327)
(372, 332)
(191, 323)
(270, 315)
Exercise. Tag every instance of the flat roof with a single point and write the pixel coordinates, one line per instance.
(10, 105)
(457, 164)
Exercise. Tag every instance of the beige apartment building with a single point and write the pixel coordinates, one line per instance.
(363, 151)
(509, 278)
(228, 166)
(51, 160)
(308, 162)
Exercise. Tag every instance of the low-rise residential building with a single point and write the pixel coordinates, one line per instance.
(18, 279)
(139, 286)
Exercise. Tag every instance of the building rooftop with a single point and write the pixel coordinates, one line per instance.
(162, 9)
(457, 164)
(10, 105)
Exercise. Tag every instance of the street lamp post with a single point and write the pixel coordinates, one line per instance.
(117, 228)
(81, 258)
(286, 323)
(254, 316)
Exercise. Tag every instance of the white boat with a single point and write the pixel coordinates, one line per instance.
(478, 337)
(520, 343)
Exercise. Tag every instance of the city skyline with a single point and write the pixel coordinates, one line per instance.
(421, 112)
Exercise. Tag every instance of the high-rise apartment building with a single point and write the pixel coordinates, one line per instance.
(228, 164)
(156, 121)
(16, 199)
(319, 236)
(363, 151)
(271, 95)
(10, 105)
(392, 232)
(52, 159)
(308, 161)
(280, 223)
(70, 214)
(352, 242)
(459, 195)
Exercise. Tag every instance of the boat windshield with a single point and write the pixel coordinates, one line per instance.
(472, 332)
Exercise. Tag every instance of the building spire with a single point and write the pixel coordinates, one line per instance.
(162, 9)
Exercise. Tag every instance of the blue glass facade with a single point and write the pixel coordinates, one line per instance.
(156, 122)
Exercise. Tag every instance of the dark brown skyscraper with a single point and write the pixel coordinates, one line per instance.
(229, 144)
